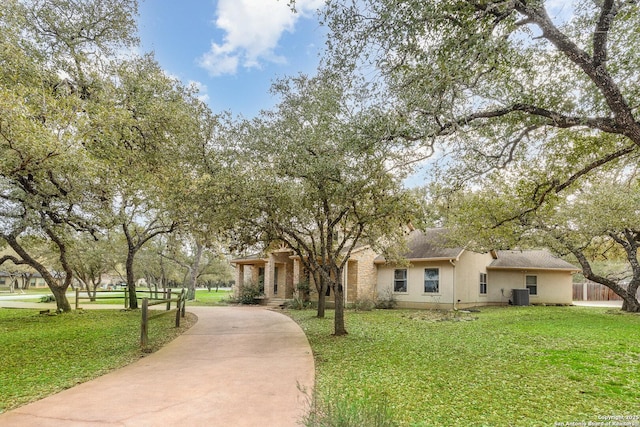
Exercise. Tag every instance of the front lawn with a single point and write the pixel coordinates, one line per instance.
(511, 366)
(42, 354)
(211, 298)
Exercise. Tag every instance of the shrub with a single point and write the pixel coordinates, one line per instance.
(386, 300)
(47, 298)
(364, 304)
(298, 303)
(248, 294)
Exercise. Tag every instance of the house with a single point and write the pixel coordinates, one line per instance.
(279, 273)
(435, 275)
(18, 280)
(442, 276)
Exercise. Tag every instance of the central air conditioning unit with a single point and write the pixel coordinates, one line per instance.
(520, 296)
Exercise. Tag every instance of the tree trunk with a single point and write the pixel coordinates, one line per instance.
(60, 294)
(339, 328)
(630, 304)
(191, 286)
(131, 283)
(321, 287)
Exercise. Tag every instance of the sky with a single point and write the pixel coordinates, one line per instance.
(232, 50)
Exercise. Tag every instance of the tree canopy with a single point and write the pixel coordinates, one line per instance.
(502, 80)
(313, 177)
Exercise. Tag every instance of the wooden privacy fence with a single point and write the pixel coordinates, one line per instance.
(180, 301)
(591, 291)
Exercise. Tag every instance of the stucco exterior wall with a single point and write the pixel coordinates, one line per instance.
(467, 279)
(554, 287)
(415, 297)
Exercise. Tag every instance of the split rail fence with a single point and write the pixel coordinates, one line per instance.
(156, 297)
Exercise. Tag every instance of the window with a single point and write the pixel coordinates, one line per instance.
(275, 280)
(261, 278)
(400, 280)
(532, 284)
(431, 280)
(483, 283)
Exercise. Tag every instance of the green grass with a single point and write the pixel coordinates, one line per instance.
(206, 298)
(203, 298)
(512, 366)
(44, 354)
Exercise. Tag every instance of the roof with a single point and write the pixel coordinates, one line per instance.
(529, 259)
(249, 259)
(427, 245)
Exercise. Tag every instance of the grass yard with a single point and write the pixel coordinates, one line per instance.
(516, 366)
(206, 298)
(203, 298)
(44, 354)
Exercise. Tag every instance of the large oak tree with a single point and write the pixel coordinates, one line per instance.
(314, 176)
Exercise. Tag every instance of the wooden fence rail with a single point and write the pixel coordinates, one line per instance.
(180, 301)
(153, 294)
(155, 298)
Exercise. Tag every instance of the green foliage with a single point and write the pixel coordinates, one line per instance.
(336, 412)
(45, 354)
(386, 299)
(364, 304)
(511, 366)
(248, 293)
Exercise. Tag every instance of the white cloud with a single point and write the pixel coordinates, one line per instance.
(201, 89)
(252, 31)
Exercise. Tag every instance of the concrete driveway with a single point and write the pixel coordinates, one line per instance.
(612, 304)
(238, 366)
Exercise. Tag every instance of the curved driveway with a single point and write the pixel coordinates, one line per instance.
(238, 366)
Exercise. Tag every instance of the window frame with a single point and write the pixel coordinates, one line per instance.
(483, 284)
(437, 281)
(275, 280)
(532, 287)
(396, 280)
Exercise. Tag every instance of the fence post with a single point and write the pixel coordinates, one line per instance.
(184, 305)
(178, 310)
(77, 297)
(144, 331)
(168, 299)
(126, 297)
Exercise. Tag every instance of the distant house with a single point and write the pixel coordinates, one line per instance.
(18, 280)
(436, 275)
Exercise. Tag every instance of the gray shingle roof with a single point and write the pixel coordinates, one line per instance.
(429, 244)
(530, 259)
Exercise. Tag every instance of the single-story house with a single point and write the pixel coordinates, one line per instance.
(436, 275)
(16, 280)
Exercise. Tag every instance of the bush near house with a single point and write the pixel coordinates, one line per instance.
(502, 366)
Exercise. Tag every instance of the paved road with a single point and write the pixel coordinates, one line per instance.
(238, 366)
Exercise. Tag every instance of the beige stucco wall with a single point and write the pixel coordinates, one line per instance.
(554, 287)
(415, 297)
(467, 279)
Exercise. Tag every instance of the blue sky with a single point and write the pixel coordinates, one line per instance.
(232, 49)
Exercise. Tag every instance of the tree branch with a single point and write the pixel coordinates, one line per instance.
(607, 13)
